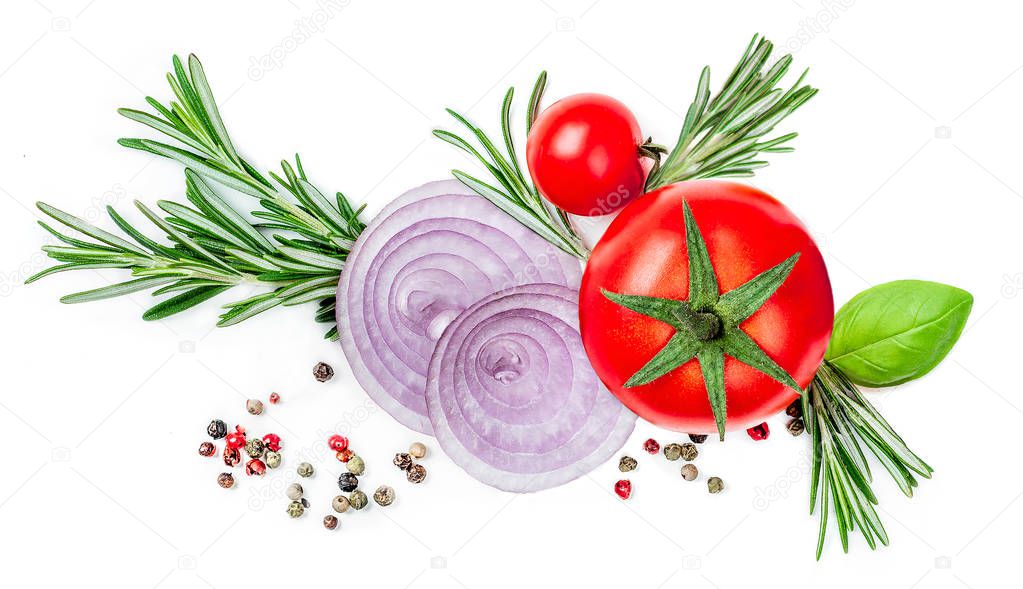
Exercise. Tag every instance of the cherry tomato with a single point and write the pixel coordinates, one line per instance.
(583, 154)
(644, 252)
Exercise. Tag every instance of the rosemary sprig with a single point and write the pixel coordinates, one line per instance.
(841, 422)
(213, 246)
(514, 192)
(724, 136)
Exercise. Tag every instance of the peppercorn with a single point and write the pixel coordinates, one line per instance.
(403, 460)
(417, 450)
(274, 398)
(254, 406)
(255, 448)
(344, 455)
(689, 452)
(340, 504)
(698, 438)
(795, 409)
(356, 465)
(337, 443)
(627, 463)
(795, 426)
(623, 488)
(689, 472)
(330, 522)
(651, 446)
(207, 449)
(347, 482)
(759, 432)
(226, 480)
(273, 459)
(272, 442)
(384, 495)
(715, 485)
(236, 439)
(323, 372)
(216, 429)
(305, 470)
(255, 467)
(672, 451)
(416, 473)
(357, 499)
(294, 491)
(296, 509)
(232, 457)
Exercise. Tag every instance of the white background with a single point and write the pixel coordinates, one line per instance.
(907, 166)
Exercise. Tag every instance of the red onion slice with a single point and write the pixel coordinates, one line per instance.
(427, 256)
(512, 396)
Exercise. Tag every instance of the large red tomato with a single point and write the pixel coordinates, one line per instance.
(644, 252)
(583, 154)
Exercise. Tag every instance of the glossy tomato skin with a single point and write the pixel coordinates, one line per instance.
(583, 154)
(643, 252)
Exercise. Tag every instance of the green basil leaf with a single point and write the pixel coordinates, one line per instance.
(897, 331)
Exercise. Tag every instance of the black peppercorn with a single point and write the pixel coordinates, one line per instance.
(347, 482)
(698, 438)
(403, 460)
(217, 429)
(795, 426)
(416, 473)
(795, 409)
(207, 449)
(323, 372)
(330, 522)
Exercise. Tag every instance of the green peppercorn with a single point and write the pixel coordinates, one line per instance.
(672, 451)
(340, 504)
(627, 463)
(689, 452)
(356, 465)
(384, 495)
(795, 426)
(294, 491)
(273, 459)
(689, 472)
(330, 522)
(255, 448)
(357, 499)
(305, 470)
(715, 485)
(296, 509)
(254, 406)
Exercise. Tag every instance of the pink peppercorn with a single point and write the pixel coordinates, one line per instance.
(759, 432)
(623, 488)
